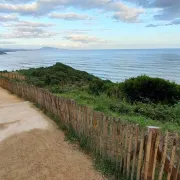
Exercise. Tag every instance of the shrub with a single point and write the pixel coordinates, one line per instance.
(112, 97)
(96, 87)
(147, 89)
(160, 112)
(122, 108)
(58, 73)
(56, 89)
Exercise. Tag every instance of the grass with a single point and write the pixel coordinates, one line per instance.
(104, 104)
(150, 96)
(67, 82)
(106, 166)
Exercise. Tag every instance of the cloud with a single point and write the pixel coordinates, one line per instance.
(20, 8)
(16, 1)
(168, 13)
(163, 3)
(77, 31)
(152, 25)
(6, 18)
(28, 29)
(85, 39)
(42, 7)
(128, 16)
(174, 22)
(26, 33)
(155, 3)
(70, 16)
(6, 42)
(168, 9)
(29, 24)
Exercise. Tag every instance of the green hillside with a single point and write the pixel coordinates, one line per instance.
(142, 100)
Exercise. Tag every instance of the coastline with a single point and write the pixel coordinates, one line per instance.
(106, 96)
(73, 119)
(116, 66)
(2, 53)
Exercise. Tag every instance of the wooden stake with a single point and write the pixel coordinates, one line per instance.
(147, 155)
(135, 151)
(153, 150)
(125, 150)
(129, 153)
(172, 158)
(163, 157)
(178, 168)
(155, 155)
(122, 136)
(140, 156)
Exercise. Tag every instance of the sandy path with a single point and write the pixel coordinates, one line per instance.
(31, 146)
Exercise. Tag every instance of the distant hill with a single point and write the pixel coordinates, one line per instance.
(2, 52)
(13, 50)
(46, 48)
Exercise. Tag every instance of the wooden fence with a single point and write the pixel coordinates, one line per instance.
(137, 153)
(12, 75)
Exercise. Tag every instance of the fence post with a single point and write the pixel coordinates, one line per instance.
(140, 156)
(150, 152)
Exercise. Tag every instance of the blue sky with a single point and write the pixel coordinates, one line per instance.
(90, 24)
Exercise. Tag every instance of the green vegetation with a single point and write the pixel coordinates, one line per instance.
(142, 100)
(164, 116)
(147, 89)
(57, 76)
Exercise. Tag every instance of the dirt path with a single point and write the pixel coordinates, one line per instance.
(32, 148)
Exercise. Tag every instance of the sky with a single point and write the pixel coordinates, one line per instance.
(90, 24)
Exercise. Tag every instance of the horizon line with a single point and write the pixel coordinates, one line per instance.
(1, 48)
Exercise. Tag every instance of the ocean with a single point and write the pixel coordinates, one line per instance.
(115, 65)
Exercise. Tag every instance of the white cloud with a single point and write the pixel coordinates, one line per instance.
(6, 42)
(128, 16)
(84, 39)
(19, 8)
(76, 31)
(27, 29)
(27, 34)
(6, 18)
(16, 1)
(70, 16)
(41, 7)
(28, 24)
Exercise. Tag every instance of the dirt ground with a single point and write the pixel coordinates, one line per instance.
(32, 148)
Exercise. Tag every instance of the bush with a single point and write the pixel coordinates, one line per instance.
(111, 98)
(56, 89)
(160, 112)
(147, 89)
(122, 108)
(96, 87)
(57, 74)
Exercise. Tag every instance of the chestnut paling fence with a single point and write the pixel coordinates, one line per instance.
(138, 153)
(12, 75)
